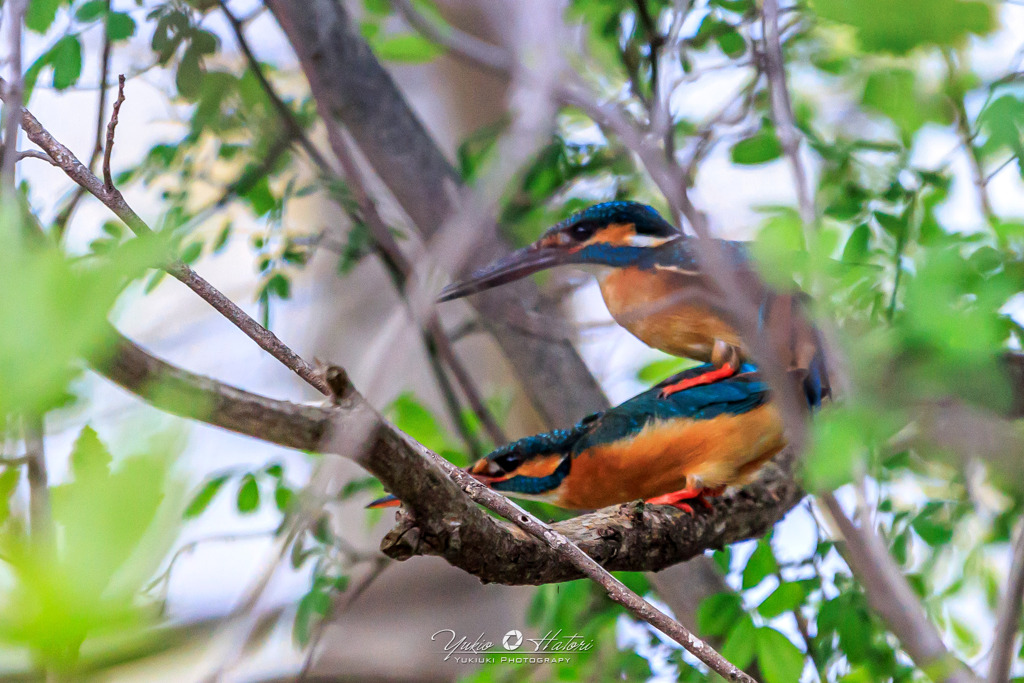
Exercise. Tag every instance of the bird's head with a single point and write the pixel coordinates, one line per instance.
(612, 234)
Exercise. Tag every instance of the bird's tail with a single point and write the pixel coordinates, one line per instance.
(385, 502)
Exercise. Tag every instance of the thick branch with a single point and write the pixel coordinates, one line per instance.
(429, 485)
(13, 93)
(620, 538)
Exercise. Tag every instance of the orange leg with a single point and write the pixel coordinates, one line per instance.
(709, 377)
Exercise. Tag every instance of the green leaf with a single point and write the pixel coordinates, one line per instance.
(279, 285)
(882, 25)
(739, 645)
(202, 500)
(894, 93)
(1002, 122)
(732, 44)
(120, 26)
(91, 10)
(67, 62)
(856, 249)
(717, 613)
(779, 659)
(8, 484)
(786, 598)
(762, 147)
(190, 74)
(283, 497)
(413, 418)
(41, 13)
(90, 459)
(192, 251)
(760, 565)
(663, 368)
(248, 495)
(410, 48)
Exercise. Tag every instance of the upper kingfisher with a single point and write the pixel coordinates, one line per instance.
(650, 280)
(665, 451)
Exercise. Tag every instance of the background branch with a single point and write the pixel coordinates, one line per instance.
(1009, 616)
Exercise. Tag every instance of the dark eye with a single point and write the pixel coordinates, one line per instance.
(582, 231)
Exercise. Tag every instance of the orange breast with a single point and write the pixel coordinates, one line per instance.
(727, 450)
(653, 306)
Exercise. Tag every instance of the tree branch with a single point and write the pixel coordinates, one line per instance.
(782, 110)
(113, 199)
(13, 95)
(1009, 617)
(353, 88)
(892, 598)
(38, 486)
(108, 180)
(430, 486)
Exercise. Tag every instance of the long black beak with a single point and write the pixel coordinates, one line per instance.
(515, 266)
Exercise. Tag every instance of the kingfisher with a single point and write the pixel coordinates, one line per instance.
(687, 446)
(652, 284)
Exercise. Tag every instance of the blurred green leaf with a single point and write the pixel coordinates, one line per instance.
(410, 48)
(785, 598)
(67, 62)
(248, 494)
(779, 659)
(762, 147)
(206, 494)
(882, 25)
(761, 564)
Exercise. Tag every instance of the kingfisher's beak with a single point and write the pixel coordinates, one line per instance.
(515, 266)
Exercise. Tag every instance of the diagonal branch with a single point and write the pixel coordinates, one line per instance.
(431, 487)
(1009, 617)
(114, 200)
(892, 598)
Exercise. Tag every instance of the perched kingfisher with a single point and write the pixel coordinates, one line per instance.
(650, 280)
(663, 450)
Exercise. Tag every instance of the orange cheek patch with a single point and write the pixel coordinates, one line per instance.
(539, 467)
(616, 233)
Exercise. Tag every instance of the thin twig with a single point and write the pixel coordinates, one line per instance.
(108, 179)
(402, 270)
(114, 200)
(1009, 617)
(963, 130)
(782, 110)
(35, 154)
(460, 44)
(337, 608)
(38, 486)
(438, 345)
(283, 111)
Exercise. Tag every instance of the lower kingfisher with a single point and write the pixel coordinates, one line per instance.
(664, 450)
(649, 278)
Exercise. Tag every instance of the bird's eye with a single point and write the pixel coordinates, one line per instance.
(582, 231)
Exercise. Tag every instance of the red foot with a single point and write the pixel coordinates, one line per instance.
(709, 377)
(676, 497)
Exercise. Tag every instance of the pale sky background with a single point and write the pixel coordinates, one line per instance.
(176, 325)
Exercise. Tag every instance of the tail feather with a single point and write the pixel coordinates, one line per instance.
(385, 502)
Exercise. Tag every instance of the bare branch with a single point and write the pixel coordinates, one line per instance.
(430, 487)
(108, 180)
(892, 598)
(38, 486)
(963, 131)
(60, 223)
(467, 47)
(284, 113)
(782, 110)
(113, 199)
(35, 154)
(353, 89)
(1009, 617)
(13, 95)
